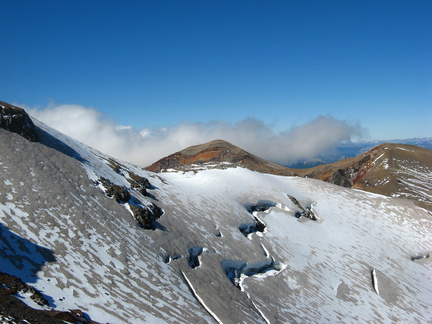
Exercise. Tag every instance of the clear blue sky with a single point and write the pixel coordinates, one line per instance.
(159, 63)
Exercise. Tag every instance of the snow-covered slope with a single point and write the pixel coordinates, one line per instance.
(232, 245)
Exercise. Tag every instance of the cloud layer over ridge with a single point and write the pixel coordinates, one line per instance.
(145, 146)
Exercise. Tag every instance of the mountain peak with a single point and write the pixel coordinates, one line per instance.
(219, 153)
(215, 146)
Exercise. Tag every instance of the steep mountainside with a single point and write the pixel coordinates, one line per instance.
(213, 153)
(126, 245)
(395, 170)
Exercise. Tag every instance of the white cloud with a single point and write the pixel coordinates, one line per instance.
(145, 146)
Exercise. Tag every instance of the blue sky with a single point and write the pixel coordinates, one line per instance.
(152, 64)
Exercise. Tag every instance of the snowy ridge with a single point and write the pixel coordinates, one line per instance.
(82, 249)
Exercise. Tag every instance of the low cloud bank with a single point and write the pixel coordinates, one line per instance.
(145, 146)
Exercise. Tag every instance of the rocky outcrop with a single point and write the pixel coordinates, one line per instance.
(13, 310)
(16, 120)
(340, 178)
(348, 176)
(147, 216)
(72, 316)
(13, 285)
(119, 193)
(140, 184)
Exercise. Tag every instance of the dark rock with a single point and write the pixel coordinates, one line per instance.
(296, 203)
(261, 206)
(16, 120)
(349, 176)
(120, 193)
(115, 166)
(194, 256)
(141, 181)
(257, 226)
(14, 285)
(340, 178)
(303, 212)
(72, 316)
(419, 257)
(147, 215)
(140, 184)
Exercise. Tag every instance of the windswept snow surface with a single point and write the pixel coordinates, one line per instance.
(329, 262)
(60, 233)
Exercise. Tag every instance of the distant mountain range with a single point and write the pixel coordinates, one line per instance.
(212, 234)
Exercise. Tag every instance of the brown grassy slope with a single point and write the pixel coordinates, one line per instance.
(397, 170)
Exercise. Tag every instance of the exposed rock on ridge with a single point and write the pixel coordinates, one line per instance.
(16, 120)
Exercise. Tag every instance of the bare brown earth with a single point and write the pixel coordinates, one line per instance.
(215, 152)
